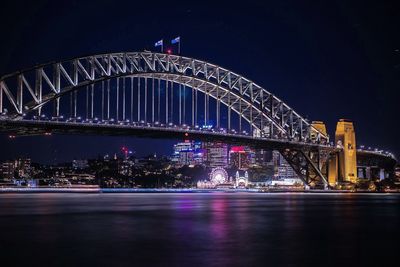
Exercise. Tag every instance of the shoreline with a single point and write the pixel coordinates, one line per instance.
(97, 190)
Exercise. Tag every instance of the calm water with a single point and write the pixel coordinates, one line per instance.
(221, 229)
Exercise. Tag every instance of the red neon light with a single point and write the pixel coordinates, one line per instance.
(237, 149)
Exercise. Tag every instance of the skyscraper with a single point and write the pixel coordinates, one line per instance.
(216, 154)
(239, 157)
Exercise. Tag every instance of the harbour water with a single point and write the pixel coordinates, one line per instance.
(200, 229)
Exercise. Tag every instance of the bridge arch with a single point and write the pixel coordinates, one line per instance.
(31, 89)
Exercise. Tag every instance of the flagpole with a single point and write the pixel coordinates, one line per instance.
(179, 46)
(162, 45)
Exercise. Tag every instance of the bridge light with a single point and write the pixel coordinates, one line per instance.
(169, 51)
(186, 134)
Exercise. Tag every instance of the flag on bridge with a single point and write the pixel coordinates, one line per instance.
(160, 43)
(176, 40)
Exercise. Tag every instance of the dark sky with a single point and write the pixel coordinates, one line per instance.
(326, 59)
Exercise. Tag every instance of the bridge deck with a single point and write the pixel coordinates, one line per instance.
(29, 127)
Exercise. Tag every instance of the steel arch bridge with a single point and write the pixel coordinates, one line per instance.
(154, 94)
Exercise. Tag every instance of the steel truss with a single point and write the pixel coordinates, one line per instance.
(309, 165)
(268, 116)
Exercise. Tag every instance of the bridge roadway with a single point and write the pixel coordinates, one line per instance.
(24, 127)
(30, 127)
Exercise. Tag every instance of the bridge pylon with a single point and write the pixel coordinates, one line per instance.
(342, 166)
(345, 138)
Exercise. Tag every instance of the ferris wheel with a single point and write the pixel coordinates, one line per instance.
(218, 175)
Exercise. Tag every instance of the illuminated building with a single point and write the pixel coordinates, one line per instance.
(23, 167)
(287, 182)
(216, 154)
(7, 170)
(188, 153)
(79, 164)
(242, 181)
(125, 167)
(283, 170)
(19, 168)
(183, 153)
(239, 158)
(205, 184)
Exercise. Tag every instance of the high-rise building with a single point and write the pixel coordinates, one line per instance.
(188, 153)
(216, 154)
(283, 170)
(183, 153)
(211, 154)
(262, 157)
(239, 157)
(23, 167)
(7, 170)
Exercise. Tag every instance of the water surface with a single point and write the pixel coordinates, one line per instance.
(194, 229)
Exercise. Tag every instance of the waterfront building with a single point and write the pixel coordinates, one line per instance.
(23, 167)
(241, 181)
(205, 184)
(287, 182)
(7, 169)
(19, 168)
(125, 167)
(80, 164)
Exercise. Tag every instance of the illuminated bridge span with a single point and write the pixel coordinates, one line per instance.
(160, 95)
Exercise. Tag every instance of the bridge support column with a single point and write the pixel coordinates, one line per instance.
(368, 172)
(333, 170)
(346, 139)
(361, 172)
(381, 174)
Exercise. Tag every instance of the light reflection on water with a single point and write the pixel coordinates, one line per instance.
(192, 229)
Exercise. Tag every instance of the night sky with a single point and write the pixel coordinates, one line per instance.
(326, 59)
